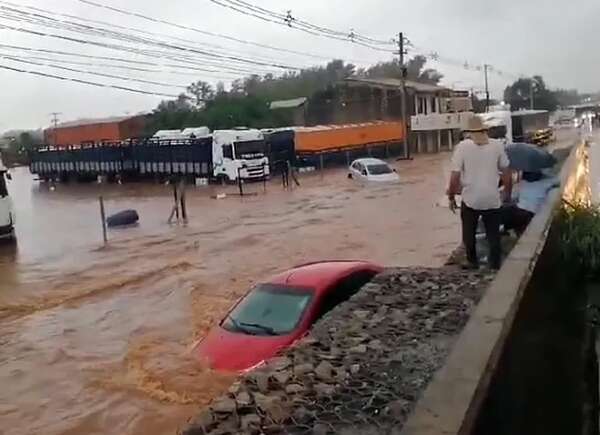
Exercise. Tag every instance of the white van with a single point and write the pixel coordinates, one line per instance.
(7, 214)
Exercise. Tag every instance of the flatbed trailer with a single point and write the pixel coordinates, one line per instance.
(133, 158)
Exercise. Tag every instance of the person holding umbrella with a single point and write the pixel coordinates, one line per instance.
(477, 165)
(533, 187)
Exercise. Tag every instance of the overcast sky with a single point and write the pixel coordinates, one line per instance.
(514, 36)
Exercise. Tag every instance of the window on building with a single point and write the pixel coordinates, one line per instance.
(433, 104)
(422, 109)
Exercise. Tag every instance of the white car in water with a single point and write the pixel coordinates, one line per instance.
(370, 169)
(7, 215)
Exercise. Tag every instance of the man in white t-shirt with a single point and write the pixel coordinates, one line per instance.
(477, 165)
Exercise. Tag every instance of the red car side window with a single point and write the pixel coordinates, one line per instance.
(343, 290)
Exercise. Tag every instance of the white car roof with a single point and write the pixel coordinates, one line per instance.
(369, 161)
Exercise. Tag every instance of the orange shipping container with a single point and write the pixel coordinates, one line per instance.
(96, 130)
(334, 137)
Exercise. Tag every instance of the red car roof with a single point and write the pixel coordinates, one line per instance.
(320, 274)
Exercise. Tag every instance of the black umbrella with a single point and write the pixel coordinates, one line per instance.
(529, 158)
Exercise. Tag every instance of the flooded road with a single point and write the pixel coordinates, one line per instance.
(96, 339)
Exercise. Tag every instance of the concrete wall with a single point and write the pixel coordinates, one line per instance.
(519, 365)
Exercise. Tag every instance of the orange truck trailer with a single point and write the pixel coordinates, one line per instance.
(326, 138)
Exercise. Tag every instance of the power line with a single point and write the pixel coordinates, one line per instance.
(131, 29)
(38, 19)
(148, 53)
(111, 76)
(187, 65)
(205, 32)
(130, 38)
(291, 22)
(122, 67)
(87, 82)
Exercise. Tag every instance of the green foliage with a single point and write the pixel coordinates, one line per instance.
(18, 144)
(247, 101)
(415, 70)
(518, 95)
(579, 229)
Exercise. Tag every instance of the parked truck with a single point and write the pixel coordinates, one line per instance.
(7, 215)
(532, 126)
(223, 155)
(239, 153)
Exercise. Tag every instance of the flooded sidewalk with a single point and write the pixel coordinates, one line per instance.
(96, 339)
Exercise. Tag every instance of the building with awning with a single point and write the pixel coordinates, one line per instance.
(295, 106)
(435, 114)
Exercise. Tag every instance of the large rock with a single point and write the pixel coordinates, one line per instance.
(224, 405)
(361, 348)
(249, 421)
(280, 363)
(324, 389)
(282, 377)
(262, 381)
(294, 389)
(302, 369)
(325, 371)
(243, 400)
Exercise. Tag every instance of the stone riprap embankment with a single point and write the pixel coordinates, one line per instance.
(364, 365)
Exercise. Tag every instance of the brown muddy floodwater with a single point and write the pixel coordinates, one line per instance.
(96, 340)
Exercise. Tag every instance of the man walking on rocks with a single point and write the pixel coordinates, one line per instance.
(477, 165)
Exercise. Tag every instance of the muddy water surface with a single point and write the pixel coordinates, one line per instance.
(96, 339)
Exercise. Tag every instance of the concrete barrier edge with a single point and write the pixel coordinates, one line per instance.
(452, 401)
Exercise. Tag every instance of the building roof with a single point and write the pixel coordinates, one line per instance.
(288, 104)
(395, 83)
(94, 121)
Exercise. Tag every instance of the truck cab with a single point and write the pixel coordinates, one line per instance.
(500, 125)
(7, 215)
(531, 126)
(239, 152)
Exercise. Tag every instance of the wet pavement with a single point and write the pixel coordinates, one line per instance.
(97, 339)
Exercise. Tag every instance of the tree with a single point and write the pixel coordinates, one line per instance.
(246, 103)
(201, 92)
(415, 70)
(479, 105)
(220, 89)
(518, 95)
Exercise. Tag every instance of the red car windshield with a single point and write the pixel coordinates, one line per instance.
(269, 310)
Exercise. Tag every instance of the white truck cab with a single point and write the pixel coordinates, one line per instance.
(500, 124)
(239, 152)
(7, 215)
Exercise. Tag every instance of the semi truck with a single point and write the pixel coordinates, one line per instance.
(223, 155)
(7, 214)
(531, 126)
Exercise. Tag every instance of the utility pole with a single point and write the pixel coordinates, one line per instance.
(403, 72)
(531, 90)
(487, 89)
(55, 123)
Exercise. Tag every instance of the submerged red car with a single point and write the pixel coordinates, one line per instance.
(274, 315)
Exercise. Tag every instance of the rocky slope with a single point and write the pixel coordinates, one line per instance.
(364, 366)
